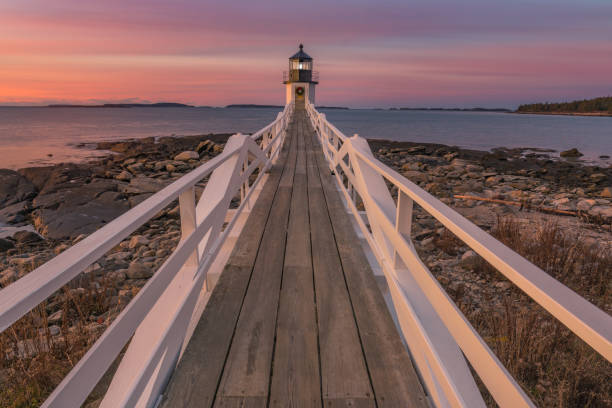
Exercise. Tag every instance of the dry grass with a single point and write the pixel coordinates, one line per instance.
(33, 360)
(553, 365)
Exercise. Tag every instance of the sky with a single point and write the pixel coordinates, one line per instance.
(413, 53)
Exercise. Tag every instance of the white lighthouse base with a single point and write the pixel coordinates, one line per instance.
(309, 92)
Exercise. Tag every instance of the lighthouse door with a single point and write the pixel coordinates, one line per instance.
(299, 93)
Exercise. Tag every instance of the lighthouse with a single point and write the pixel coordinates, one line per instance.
(300, 80)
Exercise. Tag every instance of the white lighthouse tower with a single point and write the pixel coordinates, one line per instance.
(300, 80)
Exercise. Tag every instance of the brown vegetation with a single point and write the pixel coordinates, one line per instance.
(35, 360)
(553, 365)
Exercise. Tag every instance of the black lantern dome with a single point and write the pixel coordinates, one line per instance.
(300, 68)
(301, 55)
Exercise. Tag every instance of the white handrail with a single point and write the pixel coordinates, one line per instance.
(202, 237)
(434, 327)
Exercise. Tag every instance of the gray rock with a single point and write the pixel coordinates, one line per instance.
(38, 176)
(14, 213)
(119, 256)
(119, 275)
(136, 168)
(138, 240)
(187, 155)
(571, 153)
(14, 188)
(6, 244)
(585, 205)
(137, 270)
(73, 218)
(469, 259)
(23, 237)
(141, 184)
(416, 176)
(601, 211)
(137, 199)
(124, 176)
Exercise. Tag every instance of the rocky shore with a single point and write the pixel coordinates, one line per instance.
(487, 187)
(66, 202)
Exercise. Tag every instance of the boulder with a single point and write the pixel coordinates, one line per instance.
(6, 244)
(585, 205)
(137, 199)
(38, 176)
(571, 153)
(14, 188)
(25, 237)
(14, 213)
(69, 176)
(73, 194)
(604, 211)
(141, 184)
(187, 155)
(71, 218)
(606, 192)
(137, 270)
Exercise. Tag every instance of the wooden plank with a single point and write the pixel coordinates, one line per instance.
(343, 369)
(248, 365)
(393, 376)
(195, 380)
(296, 379)
(241, 402)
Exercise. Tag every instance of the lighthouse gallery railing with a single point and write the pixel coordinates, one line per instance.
(159, 317)
(437, 333)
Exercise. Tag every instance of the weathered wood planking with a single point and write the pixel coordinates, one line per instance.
(295, 373)
(343, 369)
(248, 364)
(393, 376)
(296, 319)
(195, 380)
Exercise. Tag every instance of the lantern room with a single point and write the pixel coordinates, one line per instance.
(300, 80)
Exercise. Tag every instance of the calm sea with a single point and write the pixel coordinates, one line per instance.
(40, 136)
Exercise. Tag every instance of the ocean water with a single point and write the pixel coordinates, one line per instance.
(37, 136)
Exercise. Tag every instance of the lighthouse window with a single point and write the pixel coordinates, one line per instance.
(300, 65)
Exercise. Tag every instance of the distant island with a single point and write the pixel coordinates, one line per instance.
(127, 105)
(456, 109)
(251, 105)
(587, 107)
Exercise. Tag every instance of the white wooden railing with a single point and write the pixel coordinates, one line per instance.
(160, 319)
(437, 333)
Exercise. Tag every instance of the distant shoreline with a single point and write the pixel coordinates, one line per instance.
(501, 110)
(590, 114)
(127, 105)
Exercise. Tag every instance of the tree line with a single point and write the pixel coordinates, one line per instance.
(603, 105)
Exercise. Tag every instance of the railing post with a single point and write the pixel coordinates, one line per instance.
(188, 220)
(403, 223)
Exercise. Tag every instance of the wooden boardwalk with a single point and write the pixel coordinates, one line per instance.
(296, 318)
